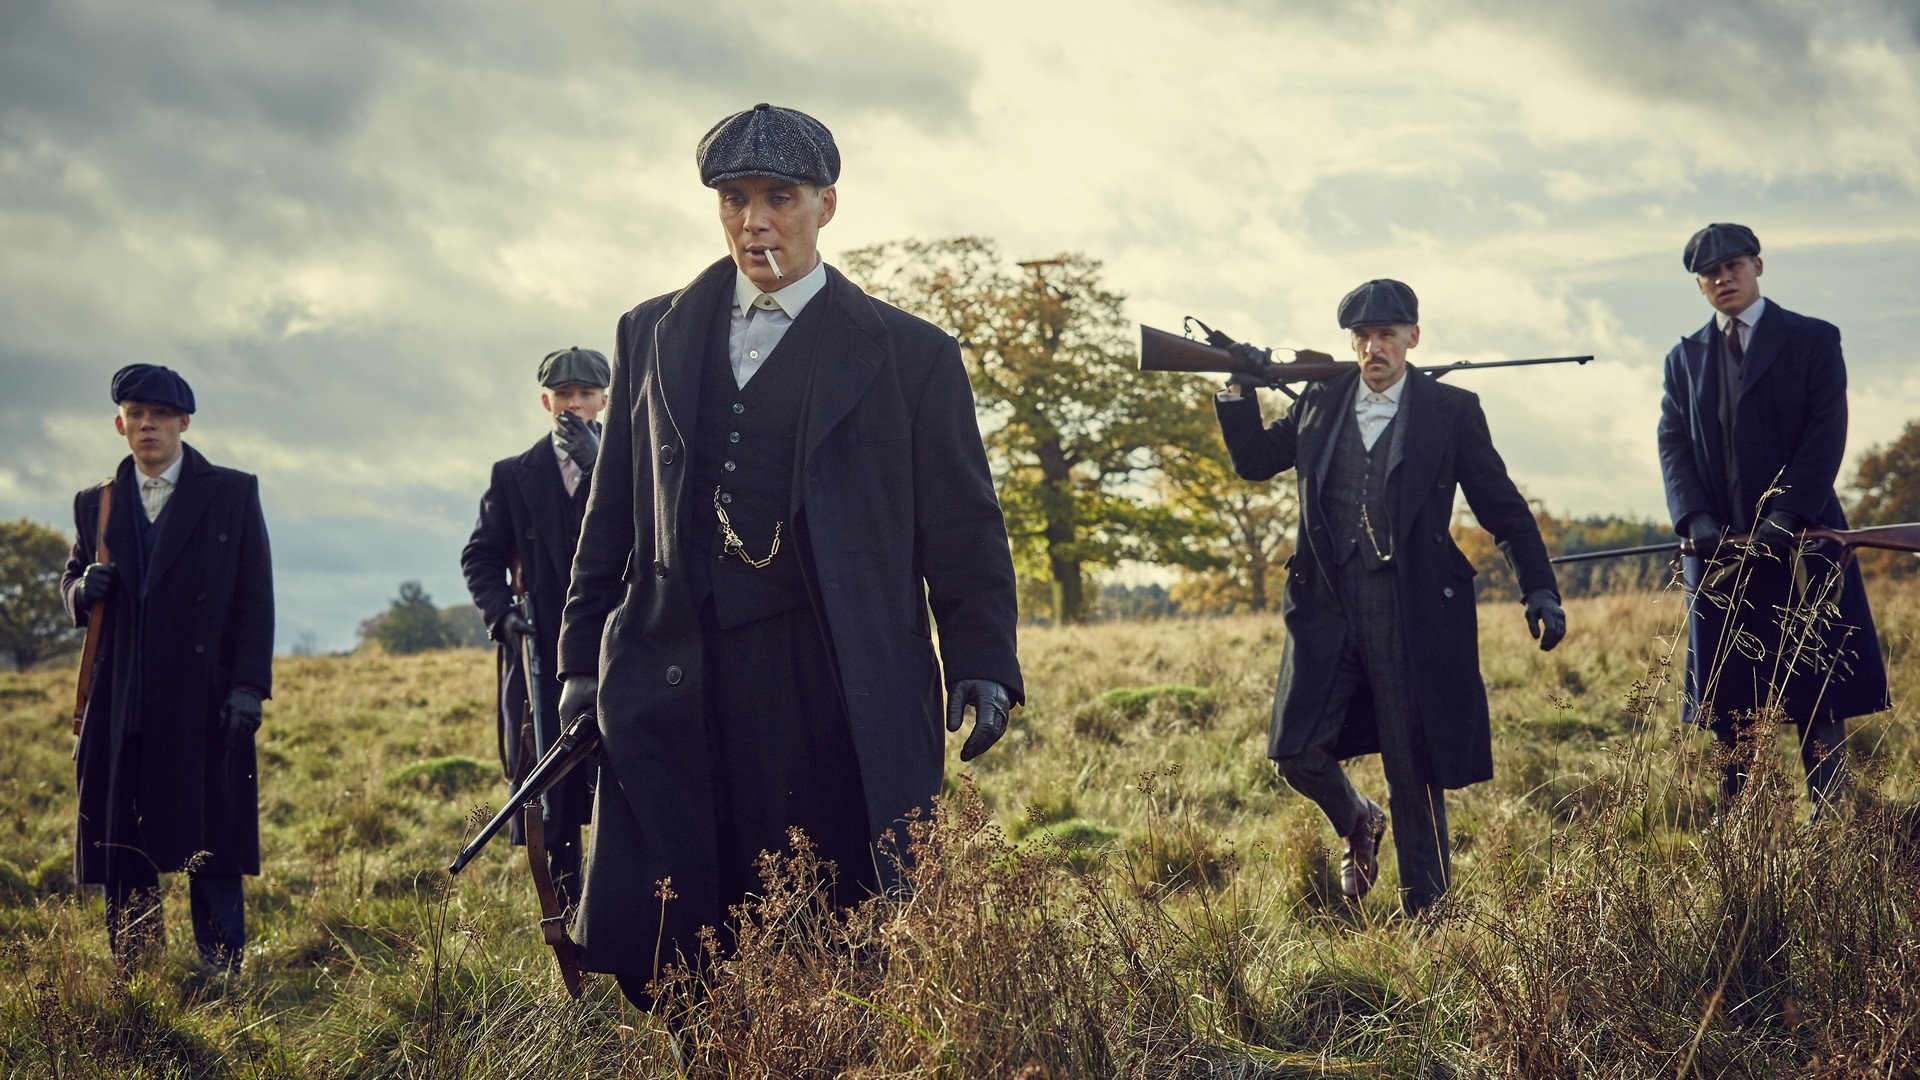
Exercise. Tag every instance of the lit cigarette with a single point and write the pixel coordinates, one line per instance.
(775, 263)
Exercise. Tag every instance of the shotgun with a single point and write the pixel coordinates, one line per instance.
(1903, 537)
(1164, 351)
(96, 618)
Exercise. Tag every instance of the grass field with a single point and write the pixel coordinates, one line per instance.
(1120, 888)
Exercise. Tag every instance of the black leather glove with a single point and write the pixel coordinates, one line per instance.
(990, 703)
(241, 714)
(95, 583)
(1704, 532)
(579, 695)
(1775, 536)
(1251, 356)
(1545, 620)
(510, 626)
(580, 438)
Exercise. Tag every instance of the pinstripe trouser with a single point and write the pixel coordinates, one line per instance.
(1374, 656)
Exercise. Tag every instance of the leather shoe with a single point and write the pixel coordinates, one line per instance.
(1360, 865)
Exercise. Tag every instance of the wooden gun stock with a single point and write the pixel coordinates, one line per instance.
(1163, 351)
(96, 619)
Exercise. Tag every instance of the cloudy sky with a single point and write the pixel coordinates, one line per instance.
(356, 226)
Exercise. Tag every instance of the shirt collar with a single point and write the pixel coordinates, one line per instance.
(171, 474)
(791, 299)
(1748, 318)
(1391, 393)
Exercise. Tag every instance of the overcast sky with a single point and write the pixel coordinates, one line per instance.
(355, 227)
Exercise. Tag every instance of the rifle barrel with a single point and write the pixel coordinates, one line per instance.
(1620, 553)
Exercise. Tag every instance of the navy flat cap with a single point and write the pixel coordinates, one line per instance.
(767, 140)
(1716, 244)
(1379, 302)
(588, 367)
(151, 384)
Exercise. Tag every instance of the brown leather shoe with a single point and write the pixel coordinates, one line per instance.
(1360, 864)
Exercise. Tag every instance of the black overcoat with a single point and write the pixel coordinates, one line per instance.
(179, 637)
(1442, 444)
(892, 484)
(1789, 436)
(527, 514)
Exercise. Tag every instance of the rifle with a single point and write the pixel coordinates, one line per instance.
(96, 618)
(530, 670)
(576, 744)
(1903, 537)
(1163, 351)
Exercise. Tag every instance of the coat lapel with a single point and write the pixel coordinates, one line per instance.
(680, 341)
(1767, 336)
(123, 536)
(184, 509)
(546, 493)
(851, 349)
(1423, 430)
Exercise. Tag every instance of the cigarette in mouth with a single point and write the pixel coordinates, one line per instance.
(775, 263)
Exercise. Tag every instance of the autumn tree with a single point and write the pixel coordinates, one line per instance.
(33, 620)
(1253, 524)
(1073, 430)
(410, 624)
(1886, 490)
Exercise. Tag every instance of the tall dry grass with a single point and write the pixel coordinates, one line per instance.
(1120, 889)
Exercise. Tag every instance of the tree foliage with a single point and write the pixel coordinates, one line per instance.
(33, 620)
(1886, 490)
(1252, 524)
(410, 624)
(1072, 428)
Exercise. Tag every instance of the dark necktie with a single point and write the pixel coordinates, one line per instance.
(1733, 341)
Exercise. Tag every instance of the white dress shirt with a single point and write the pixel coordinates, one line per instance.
(570, 473)
(156, 490)
(1375, 409)
(760, 319)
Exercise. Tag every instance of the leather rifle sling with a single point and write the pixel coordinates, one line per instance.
(553, 918)
(95, 618)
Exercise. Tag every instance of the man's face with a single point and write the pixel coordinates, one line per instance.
(579, 399)
(761, 214)
(1382, 352)
(1731, 285)
(152, 431)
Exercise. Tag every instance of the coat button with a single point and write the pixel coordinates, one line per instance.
(673, 675)
(738, 408)
(659, 568)
(529, 534)
(223, 538)
(729, 466)
(666, 454)
(733, 436)
(1447, 592)
(199, 648)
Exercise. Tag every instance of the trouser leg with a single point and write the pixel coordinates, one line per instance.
(1315, 772)
(1823, 751)
(1736, 749)
(219, 918)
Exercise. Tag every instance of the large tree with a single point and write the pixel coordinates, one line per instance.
(1072, 427)
(1253, 524)
(410, 624)
(1886, 490)
(33, 620)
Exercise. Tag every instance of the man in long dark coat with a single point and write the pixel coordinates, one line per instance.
(1382, 652)
(1753, 426)
(792, 482)
(165, 761)
(529, 525)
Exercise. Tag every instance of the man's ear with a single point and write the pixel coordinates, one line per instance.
(185, 419)
(120, 423)
(546, 401)
(828, 198)
(1758, 266)
(1413, 336)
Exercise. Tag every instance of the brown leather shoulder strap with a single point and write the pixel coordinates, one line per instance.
(97, 616)
(553, 919)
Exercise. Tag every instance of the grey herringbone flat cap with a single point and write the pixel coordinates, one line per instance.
(768, 140)
(588, 367)
(1379, 302)
(1716, 244)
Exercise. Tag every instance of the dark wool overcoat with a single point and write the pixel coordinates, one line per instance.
(180, 634)
(1441, 443)
(1789, 436)
(892, 486)
(527, 515)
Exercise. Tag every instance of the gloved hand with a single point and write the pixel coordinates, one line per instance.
(990, 703)
(1704, 532)
(579, 695)
(510, 626)
(580, 438)
(1545, 620)
(1251, 356)
(1775, 536)
(95, 583)
(241, 714)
